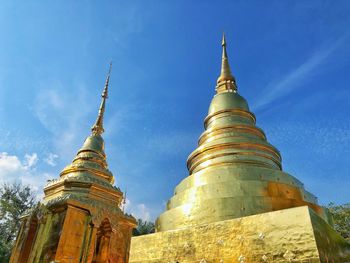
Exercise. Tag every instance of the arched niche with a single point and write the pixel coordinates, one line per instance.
(103, 242)
(27, 237)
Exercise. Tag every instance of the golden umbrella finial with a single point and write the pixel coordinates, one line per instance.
(97, 128)
(226, 76)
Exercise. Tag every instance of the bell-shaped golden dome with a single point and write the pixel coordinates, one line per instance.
(90, 161)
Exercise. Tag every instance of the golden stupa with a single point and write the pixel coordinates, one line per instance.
(237, 205)
(80, 219)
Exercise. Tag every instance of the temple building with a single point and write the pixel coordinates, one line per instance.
(237, 204)
(79, 219)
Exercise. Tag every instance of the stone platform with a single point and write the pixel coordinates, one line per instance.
(290, 235)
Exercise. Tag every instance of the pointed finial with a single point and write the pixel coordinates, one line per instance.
(97, 128)
(223, 44)
(226, 81)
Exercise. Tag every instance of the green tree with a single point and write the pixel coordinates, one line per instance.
(341, 217)
(143, 228)
(15, 199)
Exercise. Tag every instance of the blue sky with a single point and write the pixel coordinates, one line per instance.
(291, 60)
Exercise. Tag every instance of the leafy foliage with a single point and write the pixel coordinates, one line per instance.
(143, 228)
(341, 217)
(15, 199)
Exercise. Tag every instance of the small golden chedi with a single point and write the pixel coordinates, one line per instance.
(80, 219)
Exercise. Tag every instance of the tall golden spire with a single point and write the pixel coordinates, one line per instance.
(226, 81)
(97, 129)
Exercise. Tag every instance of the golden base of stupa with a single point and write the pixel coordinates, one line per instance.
(289, 235)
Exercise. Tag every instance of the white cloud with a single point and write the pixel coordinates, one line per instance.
(143, 212)
(30, 160)
(24, 171)
(294, 79)
(9, 164)
(139, 211)
(51, 159)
